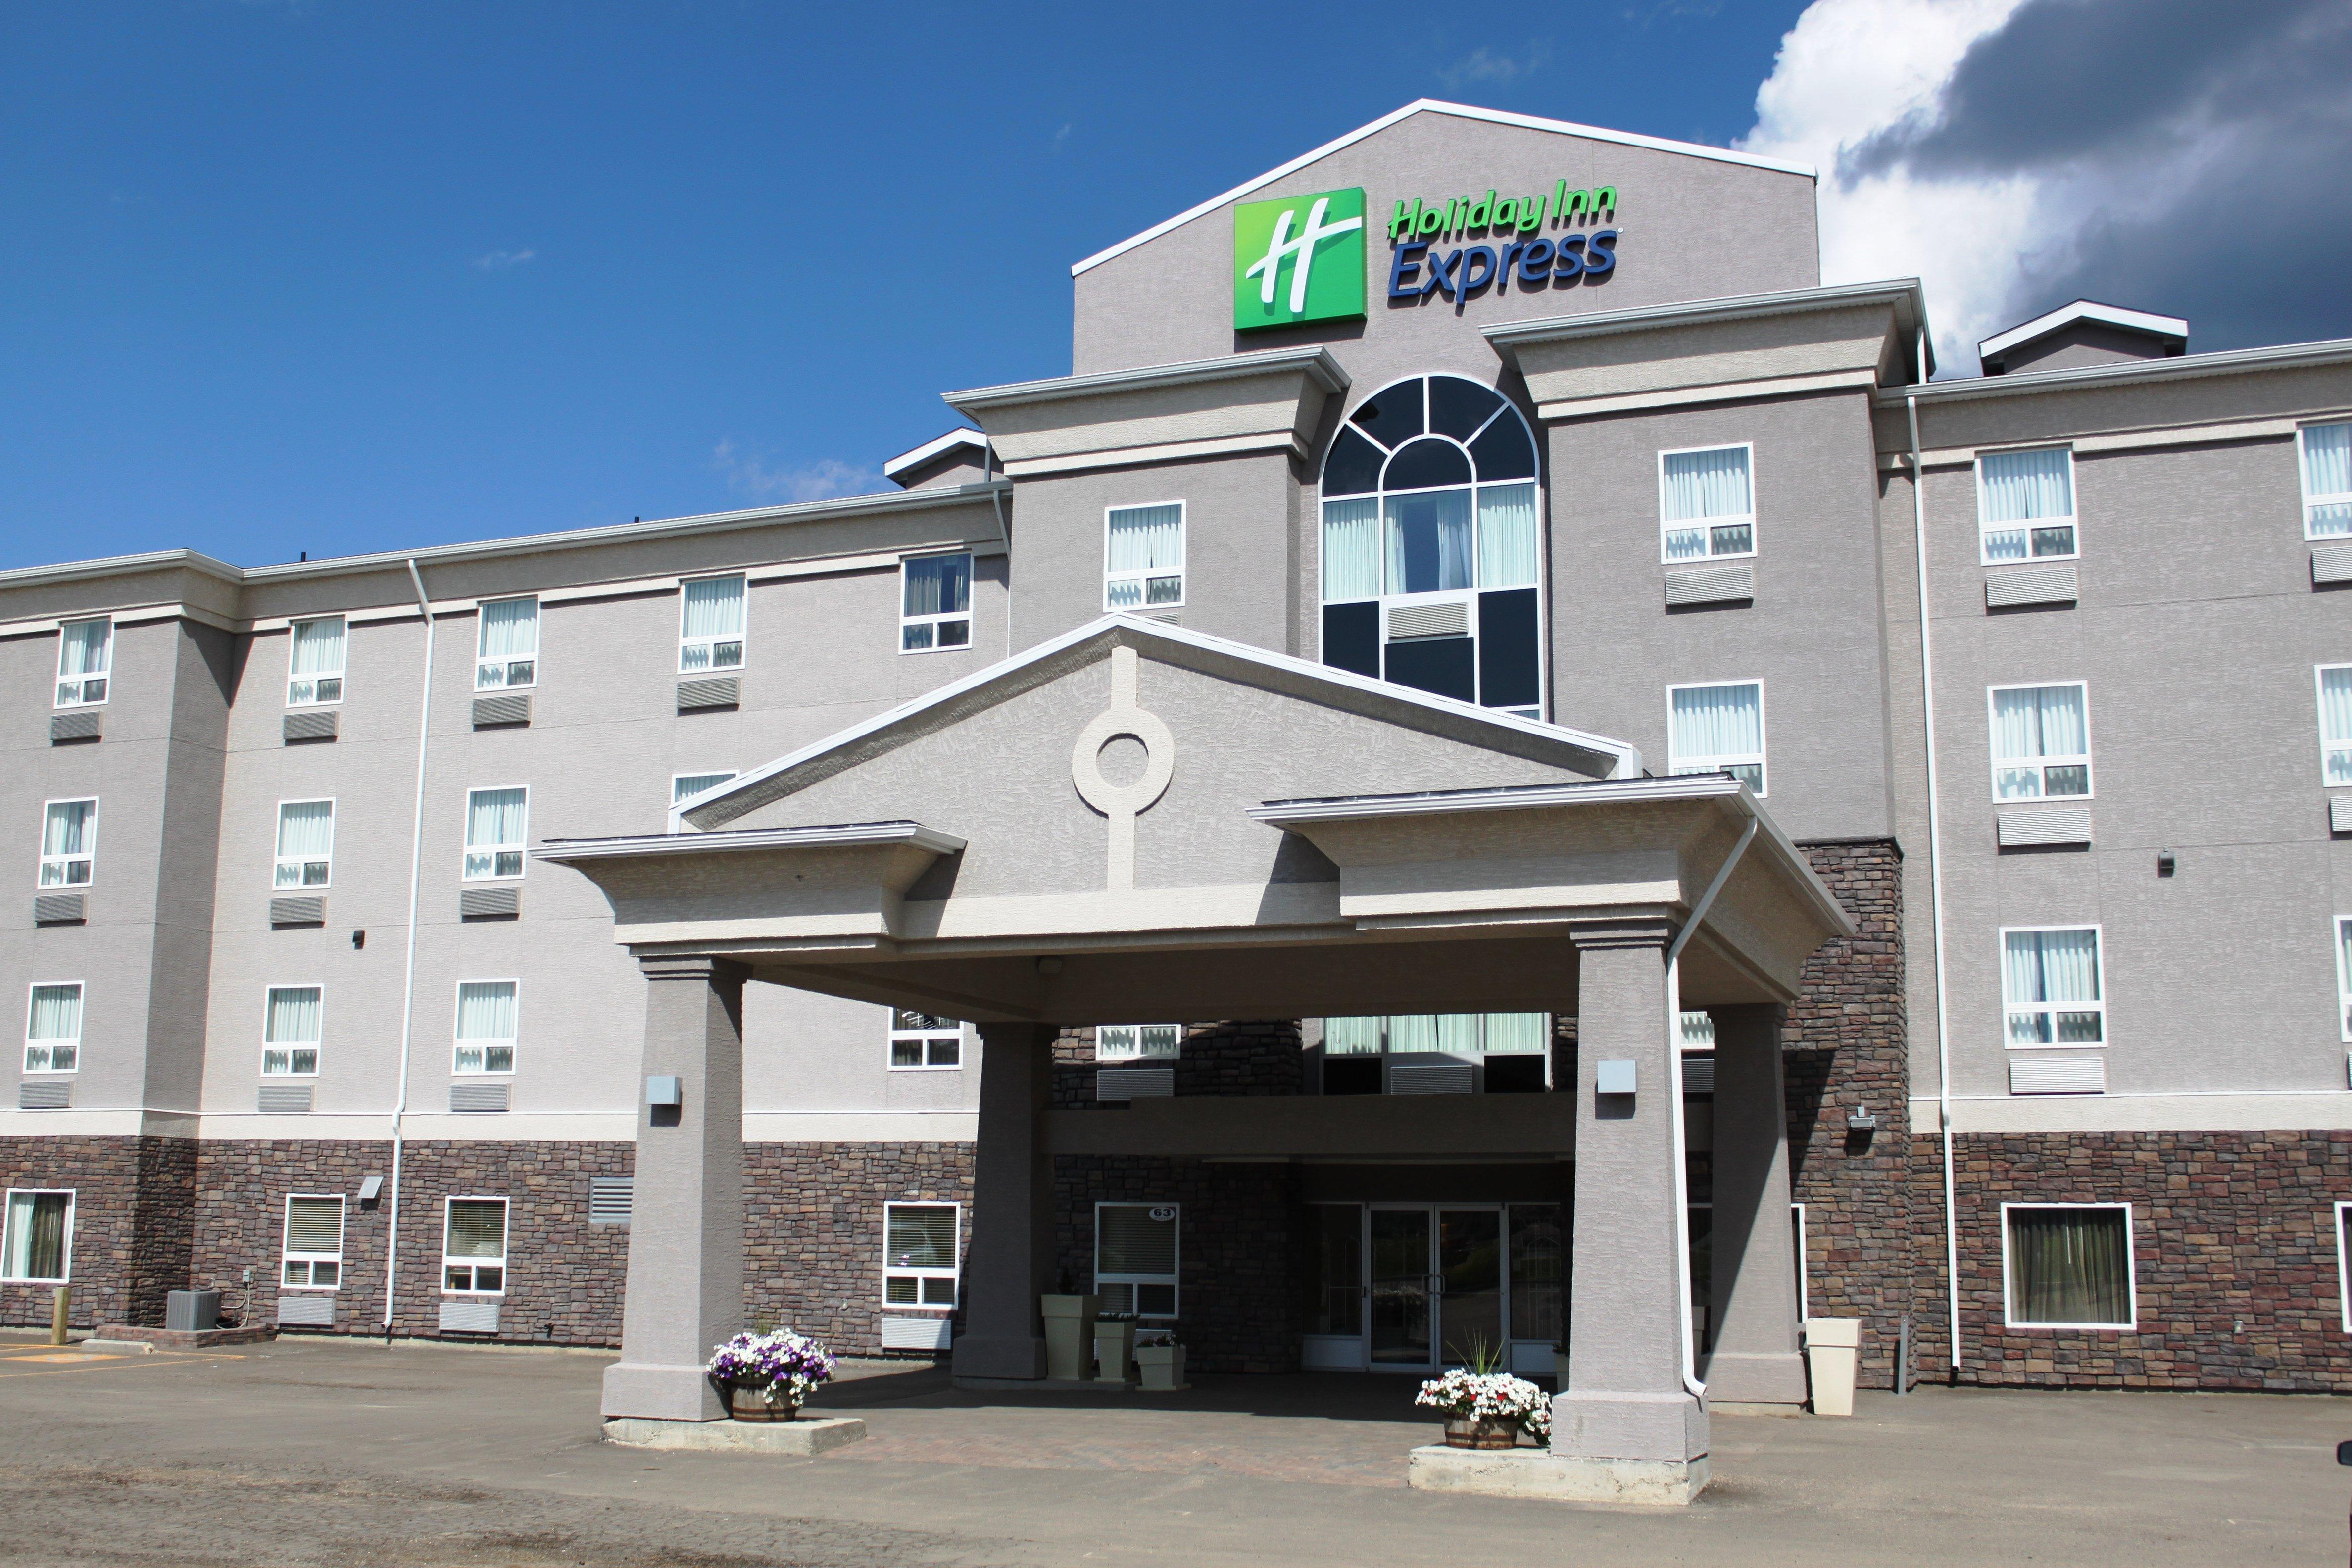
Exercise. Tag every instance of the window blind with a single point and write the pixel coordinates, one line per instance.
(477, 1227)
(1128, 1240)
(314, 1225)
(921, 1235)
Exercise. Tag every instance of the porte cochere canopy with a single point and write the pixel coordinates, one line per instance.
(1135, 821)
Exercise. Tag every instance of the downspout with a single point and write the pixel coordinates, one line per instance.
(1675, 1093)
(1935, 872)
(408, 980)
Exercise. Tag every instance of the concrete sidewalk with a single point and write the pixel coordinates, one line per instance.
(355, 1455)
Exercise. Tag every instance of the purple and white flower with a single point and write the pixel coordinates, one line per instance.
(785, 1367)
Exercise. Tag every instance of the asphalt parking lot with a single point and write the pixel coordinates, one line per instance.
(355, 1455)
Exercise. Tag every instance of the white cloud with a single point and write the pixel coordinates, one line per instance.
(750, 476)
(1484, 65)
(497, 260)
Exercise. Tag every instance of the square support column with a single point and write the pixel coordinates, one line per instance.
(685, 1221)
(1756, 1359)
(1011, 1259)
(1626, 1415)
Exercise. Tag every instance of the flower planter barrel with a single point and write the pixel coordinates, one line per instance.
(1482, 1432)
(751, 1404)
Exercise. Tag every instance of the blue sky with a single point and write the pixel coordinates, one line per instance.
(338, 276)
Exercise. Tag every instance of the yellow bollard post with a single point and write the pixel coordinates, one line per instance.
(60, 1304)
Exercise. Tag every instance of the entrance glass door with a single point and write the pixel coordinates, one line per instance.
(1470, 1286)
(1399, 1278)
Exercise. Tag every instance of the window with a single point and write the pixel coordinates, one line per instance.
(684, 787)
(919, 1255)
(85, 656)
(1707, 506)
(1717, 729)
(2050, 987)
(934, 603)
(2326, 452)
(1431, 545)
(1511, 1048)
(710, 625)
(1698, 1030)
(2040, 742)
(487, 1015)
(2335, 724)
(68, 843)
(314, 662)
(924, 1040)
(292, 1020)
(496, 822)
(1143, 558)
(306, 843)
(1138, 1042)
(1135, 1258)
(314, 1242)
(2344, 973)
(53, 1028)
(38, 1245)
(2025, 504)
(506, 654)
(2068, 1265)
(2343, 1263)
(474, 1246)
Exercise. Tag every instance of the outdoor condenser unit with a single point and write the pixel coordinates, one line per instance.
(192, 1309)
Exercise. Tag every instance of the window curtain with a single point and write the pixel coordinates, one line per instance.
(82, 648)
(2025, 486)
(494, 816)
(510, 627)
(67, 830)
(36, 1236)
(1352, 548)
(922, 1237)
(939, 586)
(56, 1013)
(1147, 539)
(1458, 1034)
(1719, 722)
(2328, 472)
(1706, 484)
(1516, 1034)
(477, 1227)
(1698, 1030)
(306, 829)
(2069, 1266)
(487, 1010)
(1507, 536)
(2335, 724)
(1352, 1037)
(2039, 722)
(2343, 970)
(714, 607)
(1127, 1240)
(296, 1012)
(1412, 1032)
(2053, 966)
(319, 647)
(1429, 542)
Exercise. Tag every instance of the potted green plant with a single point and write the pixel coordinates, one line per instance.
(767, 1376)
(1485, 1408)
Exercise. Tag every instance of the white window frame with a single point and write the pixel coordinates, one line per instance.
(1140, 1053)
(1174, 1280)
(309, 1261)
(2072, 520)
(1708, 524)
(519, 850)
(64, 862)
(1183, 559)
(81, 999)
(103, 678)
(317, 1047)
(2343, 1269)
(2099, 1006)
(2319, 697)
(457, 1043)
(340, 676)
(2131, 1270)
(923, 1040)
(2043, 763)
(2303, 477)
(742, 638)
(482, 661)
(677, 822)
(65, 1255)
(2343, 976)
(966, 615)
(1677, 762)
(279, 862)
(506, 1243)
(954, 1276)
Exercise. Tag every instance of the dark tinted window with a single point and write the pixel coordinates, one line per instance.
(1354, 468)
(1458, 407)
(1504, 452)
(1427, 462)
(1394, 417)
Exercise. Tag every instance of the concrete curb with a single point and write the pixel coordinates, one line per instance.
(805, 1438)
(1541, 1473)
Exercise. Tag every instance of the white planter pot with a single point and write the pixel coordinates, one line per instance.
(1161, 1367)
(1114, 1351)
(1830, 1346)
(1069, 1328)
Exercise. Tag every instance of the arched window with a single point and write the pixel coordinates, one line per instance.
(1432, 544)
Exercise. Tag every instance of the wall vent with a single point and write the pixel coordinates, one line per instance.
(283, 1096)
(478, 1097)
(609, 1199)
(311, 726)
(32, 1094)
(68, 728)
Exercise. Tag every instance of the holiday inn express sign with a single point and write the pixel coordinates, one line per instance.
(1301, 259)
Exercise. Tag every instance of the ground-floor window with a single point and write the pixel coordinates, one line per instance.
(919, 1255)
(36, 1247)
(2068, 1265)
(2343, 1263)
(1135, 1258)
(1437, 1053)
(1138, 1042)
(314, 1241)
(474, 1246)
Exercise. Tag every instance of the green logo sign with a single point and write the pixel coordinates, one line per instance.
(1300, 258)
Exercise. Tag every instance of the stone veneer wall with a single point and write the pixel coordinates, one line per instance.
(813, 1231)
(107, 1258)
